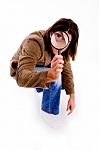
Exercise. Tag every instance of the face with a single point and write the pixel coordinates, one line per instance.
(60, 41)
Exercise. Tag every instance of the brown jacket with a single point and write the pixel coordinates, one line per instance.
(32, 52)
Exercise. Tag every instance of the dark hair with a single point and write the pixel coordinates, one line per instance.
(69, 25)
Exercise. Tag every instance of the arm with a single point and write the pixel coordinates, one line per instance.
(26, 75)
(68, 84)
(67, 78)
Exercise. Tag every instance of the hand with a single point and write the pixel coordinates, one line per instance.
(56, 67)
(71, 104)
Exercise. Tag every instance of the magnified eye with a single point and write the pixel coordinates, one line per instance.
(59, 40)
(59, 36)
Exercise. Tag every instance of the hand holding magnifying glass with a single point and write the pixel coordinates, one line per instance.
(60, 40)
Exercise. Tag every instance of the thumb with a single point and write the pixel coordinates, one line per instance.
(67, 107)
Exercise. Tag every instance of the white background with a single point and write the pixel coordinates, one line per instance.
(23, 126)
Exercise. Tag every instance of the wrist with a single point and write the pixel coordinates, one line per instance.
(72, 95)
(50, 76)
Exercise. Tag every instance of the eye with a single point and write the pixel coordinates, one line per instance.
(58, 35)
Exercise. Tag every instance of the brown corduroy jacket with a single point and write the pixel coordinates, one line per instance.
(32, 52)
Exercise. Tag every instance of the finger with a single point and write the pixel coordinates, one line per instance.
(59, 71)
(69, 112)
(58, 61)
(67, 107)
(58, 64)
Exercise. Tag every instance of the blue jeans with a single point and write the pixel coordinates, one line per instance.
(51, 95)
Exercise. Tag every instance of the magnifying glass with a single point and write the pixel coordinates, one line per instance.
(59, 40)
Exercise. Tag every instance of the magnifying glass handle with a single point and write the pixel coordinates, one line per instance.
(59, 52)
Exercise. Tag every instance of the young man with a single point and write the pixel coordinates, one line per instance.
(43, 62)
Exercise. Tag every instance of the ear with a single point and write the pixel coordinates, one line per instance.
(51, 34)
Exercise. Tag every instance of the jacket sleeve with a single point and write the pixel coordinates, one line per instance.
(67, 78)
(26, 74)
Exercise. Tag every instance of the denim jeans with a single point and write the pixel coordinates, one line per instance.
(51, 95)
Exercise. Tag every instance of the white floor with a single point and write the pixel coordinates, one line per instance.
(22, 123)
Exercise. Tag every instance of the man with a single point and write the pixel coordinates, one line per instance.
(37, 63)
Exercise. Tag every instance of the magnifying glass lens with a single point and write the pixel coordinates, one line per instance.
(59, 40)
